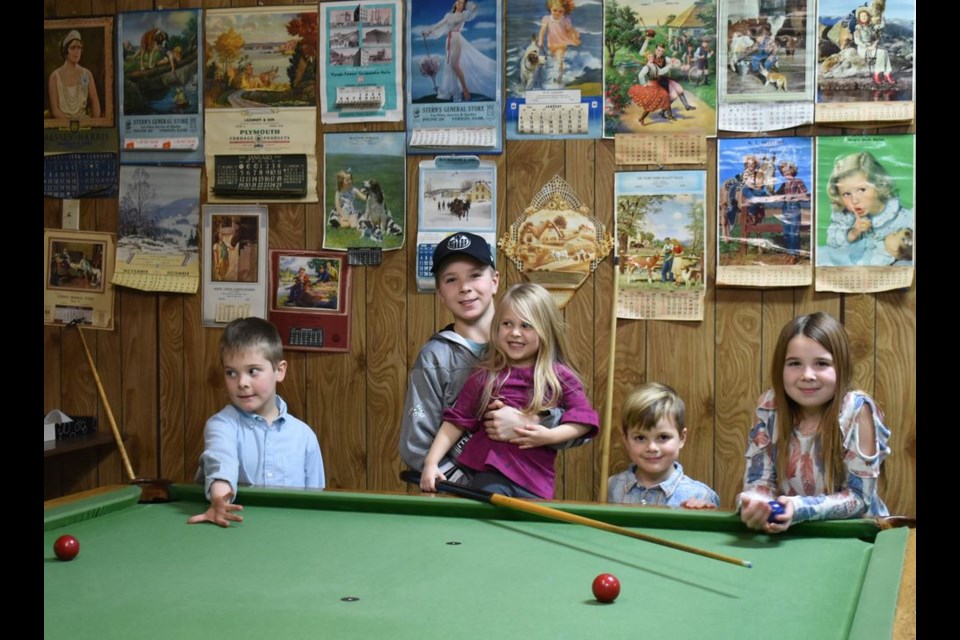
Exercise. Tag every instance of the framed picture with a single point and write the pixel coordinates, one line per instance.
(310, 299)
(78, 73)
(78, 268)
(234, 258)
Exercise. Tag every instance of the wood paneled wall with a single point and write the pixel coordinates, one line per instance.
(160, 368)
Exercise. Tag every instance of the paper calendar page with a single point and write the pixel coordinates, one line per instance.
(865, 64)
(365, 190)
(78, 266)
(458, 91)
(252, 104)
(865, 220)
(764, 211)
(660, 218)
(161, 103)
(660, 149)
(554, 60)
(81, 121)
(660, 306)
(768, 59)
(454, 137)
(361, 50)
(659, 77)
(159, 240)
(234, 244)
(455, 193)
(554, 119)
(863, 279)
(265, 132)
(754, 117)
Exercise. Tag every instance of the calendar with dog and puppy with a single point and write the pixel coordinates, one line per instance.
(364, 190)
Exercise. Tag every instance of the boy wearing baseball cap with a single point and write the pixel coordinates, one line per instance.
(466, 281)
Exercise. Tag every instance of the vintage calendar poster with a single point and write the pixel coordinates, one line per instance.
(234, 243)
(364, 190)
(865, 63)
(310, 299)
(160, 63)
(660, 78)
(454, 62)
(260, 104)
(78, 86)
(661, 243)
(158, 239)
(865, 213)
(362, 45)
(456, 193)
(77, 266)
(554, 69)
(765, 205)
(767, 77)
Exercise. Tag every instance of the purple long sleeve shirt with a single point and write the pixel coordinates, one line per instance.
(532, 469)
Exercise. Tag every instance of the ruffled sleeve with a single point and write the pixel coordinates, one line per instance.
(858, 498)
(760, 476)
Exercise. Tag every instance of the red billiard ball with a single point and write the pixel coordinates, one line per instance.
(606, 587)
(66, 547)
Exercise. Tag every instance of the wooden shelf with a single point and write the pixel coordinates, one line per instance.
(60, 447)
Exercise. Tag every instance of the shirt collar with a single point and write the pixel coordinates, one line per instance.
(890, 211)
(668, 486)
(257, 419)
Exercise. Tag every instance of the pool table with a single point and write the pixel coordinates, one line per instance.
(364, 565)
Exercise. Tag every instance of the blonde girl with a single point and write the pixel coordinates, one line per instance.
(344, 213)
(836, 439)
(526, 367)
(865, 210)
(560, 33)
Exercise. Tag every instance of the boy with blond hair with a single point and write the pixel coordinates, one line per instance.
(653, 434)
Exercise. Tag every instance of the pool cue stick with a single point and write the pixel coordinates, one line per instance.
(151, 490)
(608, 407)
(516, 504)
(106, 404)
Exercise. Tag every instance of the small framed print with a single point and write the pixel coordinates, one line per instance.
(78, 73)
(234, 258)
(78, 267)
(310, 299)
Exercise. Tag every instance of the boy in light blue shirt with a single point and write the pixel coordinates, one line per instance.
(253, 441)
(653, 434)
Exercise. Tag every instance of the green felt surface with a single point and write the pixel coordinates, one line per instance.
(142, 572)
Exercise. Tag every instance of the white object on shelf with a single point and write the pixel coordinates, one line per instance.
(50, 424)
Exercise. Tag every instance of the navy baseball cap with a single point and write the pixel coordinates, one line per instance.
(462, 244)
